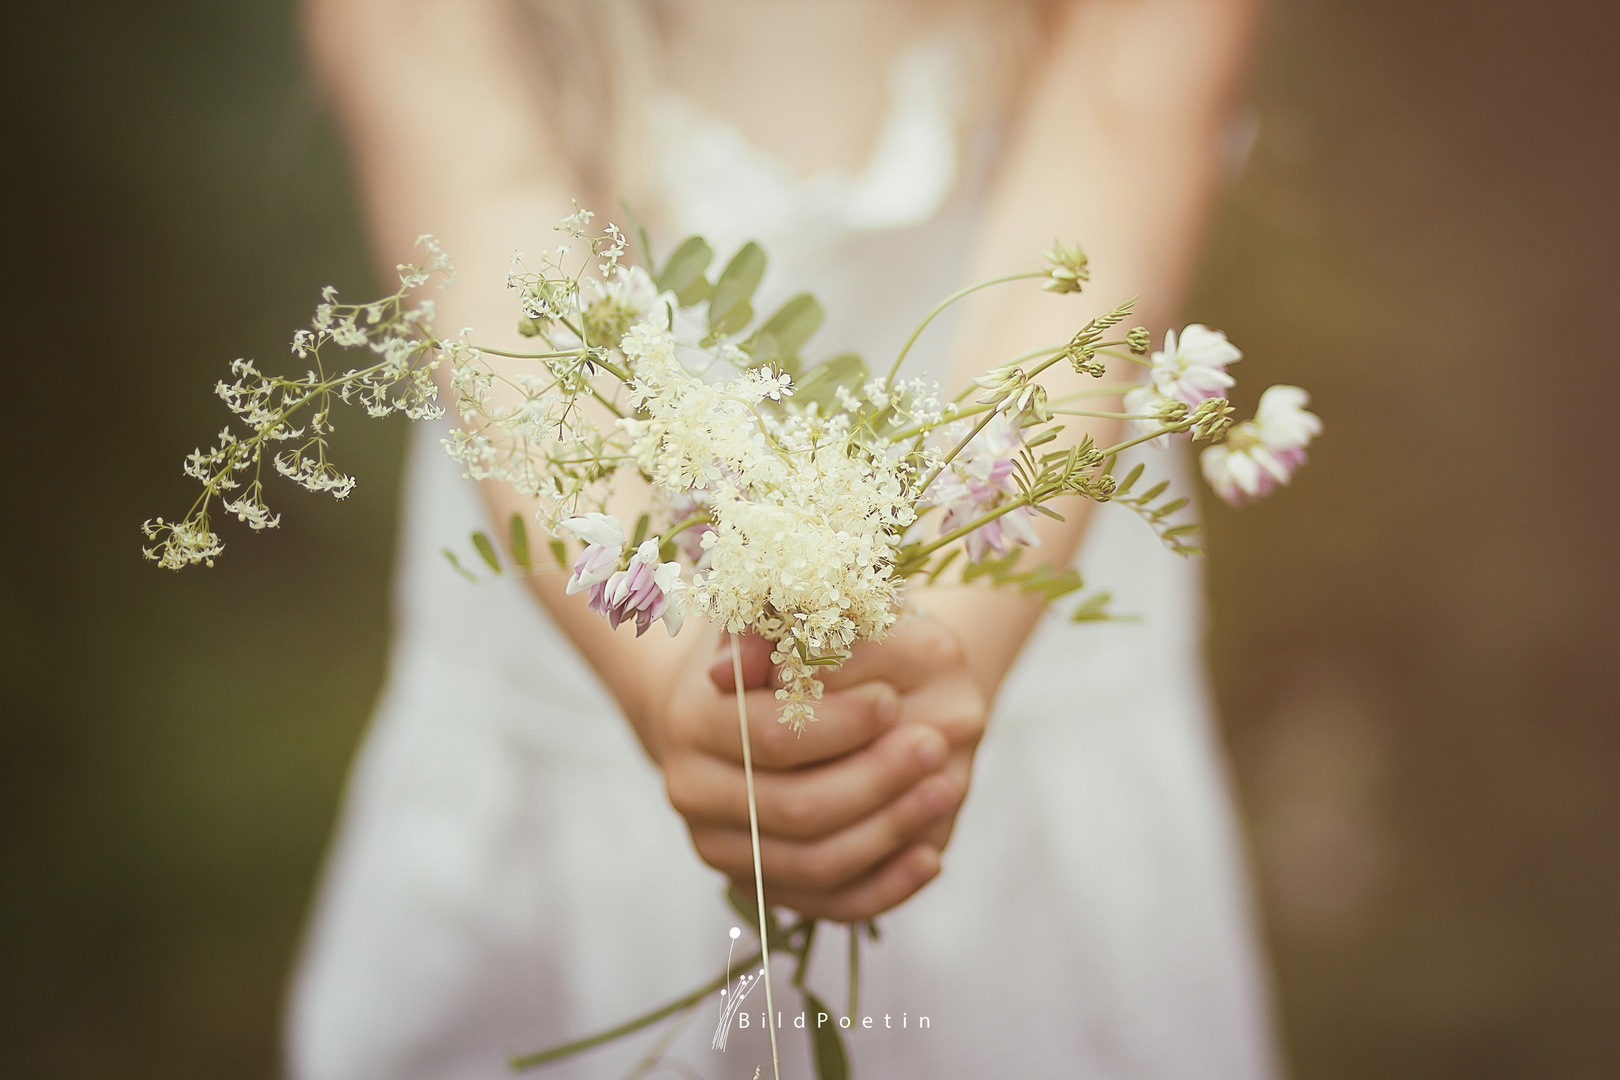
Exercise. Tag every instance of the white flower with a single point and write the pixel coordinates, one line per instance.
(602, 530)
(1261, 453)
(1193, 368)
(604, 540)
(1188, 371)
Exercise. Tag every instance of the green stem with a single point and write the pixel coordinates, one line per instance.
(894, 369)
(1016, 360)
(804, 954)
(920, 556)
(702, 517)
(957, 449)
(1168, 429)
(529, 355)
(557, 1053)
(923, 429)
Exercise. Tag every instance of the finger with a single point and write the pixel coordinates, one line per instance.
(845, 721)
(887, 886)
(807, 803)
(912, 653)
(836, 861)
(756, 662)
(953, 706)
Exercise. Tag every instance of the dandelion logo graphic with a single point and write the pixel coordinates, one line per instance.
(732, 997)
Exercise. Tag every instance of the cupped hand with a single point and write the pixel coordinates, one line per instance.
(853, 813)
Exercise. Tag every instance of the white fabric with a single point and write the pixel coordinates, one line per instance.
(508, 874)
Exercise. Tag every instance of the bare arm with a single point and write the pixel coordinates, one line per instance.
(1116, 148)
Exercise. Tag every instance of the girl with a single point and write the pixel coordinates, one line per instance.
(510, 870)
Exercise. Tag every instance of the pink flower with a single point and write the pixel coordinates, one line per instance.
(1261, 453)
(976, 483)
(644, 590)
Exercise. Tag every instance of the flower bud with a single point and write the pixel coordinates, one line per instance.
(1067, 268)
(1028, 407)
(1140, 340)
(999, 384)
(1212, 419)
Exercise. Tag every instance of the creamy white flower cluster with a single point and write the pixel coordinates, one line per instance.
(804, 523)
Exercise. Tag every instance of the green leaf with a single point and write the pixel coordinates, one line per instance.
(455, 562)
(831, 1061)
(559, 551)
(683, 273)
(642, 524)
(729, 307)
(820, 384)
(997, 569)
(520, 543)
(1186, 529)
(782, 335)
(486, 550)
(1153, 492)
(1170, 507)
(1050, 585)
(1093, 608)
(1130, 480)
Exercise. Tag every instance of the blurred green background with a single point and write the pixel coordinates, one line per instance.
(1414, 647)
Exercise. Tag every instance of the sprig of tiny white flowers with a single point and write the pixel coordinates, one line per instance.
(298, 410)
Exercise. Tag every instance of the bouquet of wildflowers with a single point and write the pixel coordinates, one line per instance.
(777, 497)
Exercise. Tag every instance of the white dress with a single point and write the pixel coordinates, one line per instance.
(507, 873)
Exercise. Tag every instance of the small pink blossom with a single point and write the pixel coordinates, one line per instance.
(1261, 453)
(976, 483)
(644, 590)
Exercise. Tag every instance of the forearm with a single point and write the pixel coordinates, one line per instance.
(1116, 147)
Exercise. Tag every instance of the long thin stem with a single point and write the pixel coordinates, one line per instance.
(753, 834)
(894, 369)
(556, 1053)
(1104, 415)
(1168, 429)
